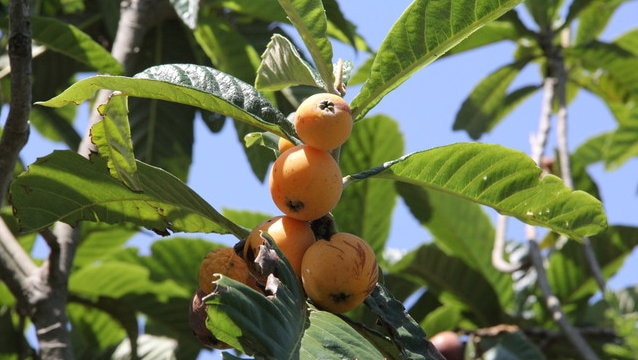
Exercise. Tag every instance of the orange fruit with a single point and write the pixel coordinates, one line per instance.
(323, 121)
(292, 236)
(339, 273)
(305, 182)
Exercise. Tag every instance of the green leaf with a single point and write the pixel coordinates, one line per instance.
(149, 347)
(99, 241)
(425, 31)
(622, 143)
(567, 271)
(504, 179)
(116, 279)
(309, 19)
(65, 186)
(513, 346)
(431, 267)
(282, 66)
(162, 134)
(245, 218)
(187, 10)
(608, 59)
(194, 85)
(544, 12)
(366, 207)
(592, 16)
(226, 47)
(439, 212)
(408, 336)
(56, 124)
(93, 331)
(628, 41)
(73, 42)
(488, 102)
(268, 327)
(112, 136)
(329, 337)
(507, 27)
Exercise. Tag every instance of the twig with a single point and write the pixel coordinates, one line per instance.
(499, 245)
(554, 306)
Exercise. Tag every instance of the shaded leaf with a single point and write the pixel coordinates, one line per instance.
(565, 271)
(149, 347)
(424, 32)
(406, 333)
(65, 186)
(487, 104)
(431, 267)
(93, 332)
(99, 241)
(245, 218)
(512, 346)
(194, 85)
(309, 19)
(506, 180)
(282, 66)
(544, 12)
(366, 207)
(440, 213)
(73, 42)
(112, 136)
(329, 337)
(593, 17)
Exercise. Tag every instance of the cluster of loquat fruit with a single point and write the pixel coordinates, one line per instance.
(338, 270)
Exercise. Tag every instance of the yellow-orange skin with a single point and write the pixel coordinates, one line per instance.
(338, 275)
(284, 144)
(226, 262)
(323, 121)
(292, 236)
(305, 182)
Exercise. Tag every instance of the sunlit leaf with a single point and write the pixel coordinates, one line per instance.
(195, 85)
(65, 186)
(309, 19)
(112, 136)
(424, 32)
(282, 66)
(504, 179)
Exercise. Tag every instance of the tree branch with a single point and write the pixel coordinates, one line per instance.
(553, 305)
(499, 246)
(16, 130)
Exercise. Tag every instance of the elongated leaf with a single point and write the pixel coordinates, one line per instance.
(73, 42)
(567, 268)
(608, 59)
(195, 85)
(309, 19)
(329, 337)
(187, 10)
(593, 17)
(544, 12)
(504, 179)
(431, 267)
(99, 241)
(440, 213)
(478, 113)
(366, 207)
(507, 27)
(628, 41)
(407, 335)
(112, 136)
(425, 31)
(282, 66)
(623, 143)
(93, 331)
(64, 186)
(149, 347)
(117, 279)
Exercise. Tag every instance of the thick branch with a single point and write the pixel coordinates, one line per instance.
(16, 129)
